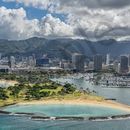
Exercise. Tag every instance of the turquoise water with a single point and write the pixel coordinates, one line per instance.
(65, 110)
(8, 122)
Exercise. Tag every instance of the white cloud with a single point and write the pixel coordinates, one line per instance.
(96, 24)
(55, 27)
(75, 3)
(94, 19)
(15, 25)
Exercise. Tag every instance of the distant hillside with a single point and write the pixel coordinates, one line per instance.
(63, 47)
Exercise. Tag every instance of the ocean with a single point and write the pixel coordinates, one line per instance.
(11, 122)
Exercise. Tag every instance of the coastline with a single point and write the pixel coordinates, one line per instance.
(12, 82)
(104, 103)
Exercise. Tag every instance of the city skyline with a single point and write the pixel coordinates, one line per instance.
(78, 63)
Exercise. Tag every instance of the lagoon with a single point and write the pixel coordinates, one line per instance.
(66, 110)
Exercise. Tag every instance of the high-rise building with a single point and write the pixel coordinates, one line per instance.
(116, 66)
(91, 65)
(0, 56)
(108, 59)
(12, 62)
(98, 62)
(124, 64)
(43, 62)
(31, 61)
(66, 65)
(78, 61)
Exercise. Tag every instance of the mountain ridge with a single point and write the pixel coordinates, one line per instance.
(63, 48)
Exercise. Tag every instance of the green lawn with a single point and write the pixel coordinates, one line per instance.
(52, 90)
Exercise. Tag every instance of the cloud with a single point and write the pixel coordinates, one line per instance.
(91, 19)
(14, 24)
(45, 4)
(54, 27)
(100, 24)
(41, 4)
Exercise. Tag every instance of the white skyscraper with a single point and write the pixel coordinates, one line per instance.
(12, 62)
(108, 59)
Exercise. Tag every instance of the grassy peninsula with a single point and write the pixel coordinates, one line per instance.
(43, 91)
(37, 87)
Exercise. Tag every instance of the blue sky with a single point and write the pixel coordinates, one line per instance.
(31, 12)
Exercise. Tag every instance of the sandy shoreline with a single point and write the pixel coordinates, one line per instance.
(109, 104)
(12, 82)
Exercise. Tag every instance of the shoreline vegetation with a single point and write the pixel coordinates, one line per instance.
(35, 88)
(48, 90)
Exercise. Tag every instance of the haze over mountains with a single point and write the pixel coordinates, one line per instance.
(63, 48)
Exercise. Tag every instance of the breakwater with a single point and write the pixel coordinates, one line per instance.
(33, 116)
